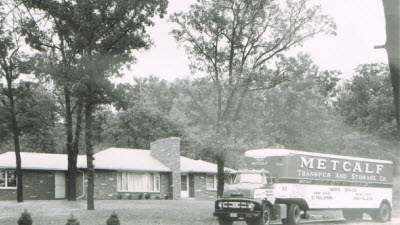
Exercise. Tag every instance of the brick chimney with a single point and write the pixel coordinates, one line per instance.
(168, 152)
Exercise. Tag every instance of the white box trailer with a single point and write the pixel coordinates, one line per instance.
(304, 181)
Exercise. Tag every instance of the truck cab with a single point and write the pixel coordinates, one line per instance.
(250, 198)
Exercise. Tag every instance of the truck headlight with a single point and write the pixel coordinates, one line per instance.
(220, 205)
(251, 206)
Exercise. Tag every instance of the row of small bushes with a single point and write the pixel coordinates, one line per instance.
(140, 196)
(26, 219)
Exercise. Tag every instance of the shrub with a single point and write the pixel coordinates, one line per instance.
(72, 221)
(25, 219)
(147, 196)
(113, 220)
(140, 195)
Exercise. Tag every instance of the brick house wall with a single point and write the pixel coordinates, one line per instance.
(105, 186)
(37, 184)
(167, 151)
(200, 188)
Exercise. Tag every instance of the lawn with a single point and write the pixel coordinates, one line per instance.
(130, 212)
(141, 212)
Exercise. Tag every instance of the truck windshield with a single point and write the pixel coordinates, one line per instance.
(254, 178)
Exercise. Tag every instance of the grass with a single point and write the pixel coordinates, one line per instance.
(130, 212)
(141, 212)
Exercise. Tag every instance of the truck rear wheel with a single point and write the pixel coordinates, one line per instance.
(293, 215)
(264, 219)
(352, 215)
(225, 221)
(382, 214)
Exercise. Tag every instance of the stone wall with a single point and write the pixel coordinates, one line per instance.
(200, 188)
(167, 151)
(37, 184)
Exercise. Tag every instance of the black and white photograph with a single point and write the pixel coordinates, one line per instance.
(199, 112)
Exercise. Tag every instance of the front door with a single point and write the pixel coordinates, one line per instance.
(60, 187)
(184, 186)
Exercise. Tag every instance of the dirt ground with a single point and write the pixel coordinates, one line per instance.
(136, 212)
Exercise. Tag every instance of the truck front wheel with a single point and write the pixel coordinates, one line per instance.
(225, 221)
(264, 219)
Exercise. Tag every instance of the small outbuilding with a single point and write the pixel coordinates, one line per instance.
(119, 173)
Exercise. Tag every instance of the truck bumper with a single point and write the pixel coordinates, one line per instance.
(238, 215)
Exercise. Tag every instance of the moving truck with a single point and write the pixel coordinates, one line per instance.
(286, 184)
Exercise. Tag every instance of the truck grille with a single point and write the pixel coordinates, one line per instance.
(235, 205)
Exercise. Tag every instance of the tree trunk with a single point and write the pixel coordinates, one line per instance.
(14, 125)
(89, 151)
(392, 17)
(221, 176)
(71, 174)
(74, 148)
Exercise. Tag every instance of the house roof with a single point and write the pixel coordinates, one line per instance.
(39, 161)
(199, 166)
(109, 159)
(128, 159)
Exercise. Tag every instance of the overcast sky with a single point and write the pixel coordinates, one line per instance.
(360, 26)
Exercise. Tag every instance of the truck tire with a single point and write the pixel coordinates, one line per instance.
(352, 215)
(225, 221)
(265, 219)
(382, 214)
(293, 215)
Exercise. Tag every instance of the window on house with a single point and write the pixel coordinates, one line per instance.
(8, 179)
(138, 182)
(211, 182)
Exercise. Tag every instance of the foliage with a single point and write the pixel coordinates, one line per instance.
(366, 101)
(25, 219)
(150, 92)
(113, 220)
(72, 221)
(147, 196)
(137, 127)
(37, 115)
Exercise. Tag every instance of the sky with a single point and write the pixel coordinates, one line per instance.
(360, 26)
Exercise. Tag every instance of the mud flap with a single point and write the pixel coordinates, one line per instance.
(279, 211)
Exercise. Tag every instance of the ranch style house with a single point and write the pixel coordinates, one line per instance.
(119, 173)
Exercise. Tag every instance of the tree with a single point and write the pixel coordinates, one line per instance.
(234, 42)
(104, 33)
(392, 18)
(10, 63)
(57, 62)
